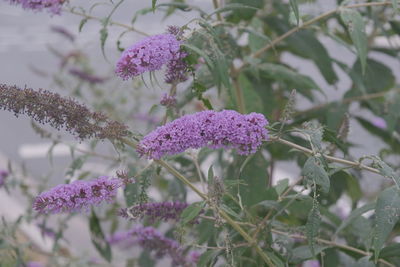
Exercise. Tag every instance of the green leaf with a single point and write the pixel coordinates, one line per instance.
(386, 137)
(295, 7)
(302, 253)
(314, 172)
(210, 175)
(281, 186)
(131, 193)
(98, 238)
(103, 38)
(312, 226)
(354, 215)
(356, 27)
(208, 257)
(392, 250)
(305, 44)
(82, 23)
(153, 4)
(395, 5)
(364, 262)
(387, 214)
(277, 72)
(386, 170)
(255, 178)
(191, 212)
(252, 100)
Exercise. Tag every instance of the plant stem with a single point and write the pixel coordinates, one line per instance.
(239, 95)
(282, 37)
(334, 244)
(86, 16)
(216, 6)
(330, 158)
(224, 215)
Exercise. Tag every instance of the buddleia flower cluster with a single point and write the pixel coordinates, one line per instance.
(151, 54)
(156, 243)
(161, 211)
(59, 112)
(223, 129)
(52, 6)
(77, 196)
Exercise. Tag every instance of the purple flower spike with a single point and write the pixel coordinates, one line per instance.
(149, 54)
(77, 195)
(224, 129)
(52, 6)
(155, 211)
(153, 241)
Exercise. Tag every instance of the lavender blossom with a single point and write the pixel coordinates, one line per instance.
(60, 112)
(64, 32)
(34, 264)
(155, 211)
(224, 129)
(153, 241)
(77, 195)
(168, 100)
(149, 54)
(84, 76)
(380, 123)
(52, 6)
(3, 175)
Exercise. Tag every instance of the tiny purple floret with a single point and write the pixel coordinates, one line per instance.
(224, 129)
(77, 196)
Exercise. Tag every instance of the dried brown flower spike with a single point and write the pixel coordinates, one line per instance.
(60, 112)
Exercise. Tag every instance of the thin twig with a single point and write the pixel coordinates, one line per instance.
(330, 158)
(282, 37)
(334, 244)
(86, 16)
(346, 101)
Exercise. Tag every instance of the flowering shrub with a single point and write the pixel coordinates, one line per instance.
(251, 150)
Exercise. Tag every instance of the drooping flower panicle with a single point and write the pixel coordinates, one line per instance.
(155, 211)
(153, 241)
(151, 54)
(78, 195)
(224, 129)
(60, 112)
(52, 6)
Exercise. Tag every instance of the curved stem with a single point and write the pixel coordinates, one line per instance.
(334, 244)
(330, 158)
(282, 37)
(86, 16)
